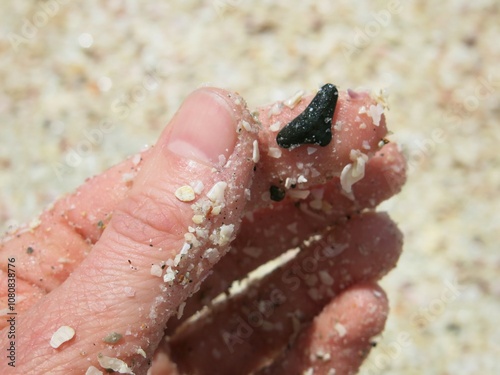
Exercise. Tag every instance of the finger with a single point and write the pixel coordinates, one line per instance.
(339, 338)
(90, 208)
(48, 250)
(251, 328)
(147, 261)
(64, 234)
(356, 136)
(268, 232)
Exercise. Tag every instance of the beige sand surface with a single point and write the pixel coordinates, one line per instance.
(67, 69)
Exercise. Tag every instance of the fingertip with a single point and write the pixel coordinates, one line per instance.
(203, 129)
(340, 337)
(385, 176)
(358, 124)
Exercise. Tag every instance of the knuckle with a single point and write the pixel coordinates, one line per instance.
(147, 216)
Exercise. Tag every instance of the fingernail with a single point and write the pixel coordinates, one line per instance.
(204, 128)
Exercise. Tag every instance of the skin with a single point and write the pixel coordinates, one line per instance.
(90, 258)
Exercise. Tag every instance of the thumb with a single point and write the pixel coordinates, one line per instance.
(161, 242)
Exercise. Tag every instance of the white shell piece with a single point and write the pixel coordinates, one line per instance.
(185, 194)
(114, 364)
(93, 371)
(62, 335)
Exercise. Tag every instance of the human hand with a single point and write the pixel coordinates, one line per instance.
(123, 253)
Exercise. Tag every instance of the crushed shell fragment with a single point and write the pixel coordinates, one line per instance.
(216, 193)
(212, 255)
(294, 99)
(114, 364)
(197, 186)
(246, 125)
(340, 328)
(298, 194)
(141, 352)
(62, 335)
(353, 172)
(255, 152)
(375, 112)
(185, 194)
(93, 371)
(274, 152)
(275, 126)
(156, 270)
(198, 219)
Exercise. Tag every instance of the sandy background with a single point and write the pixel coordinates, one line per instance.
(117, 70)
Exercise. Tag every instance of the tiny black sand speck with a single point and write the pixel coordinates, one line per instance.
(277, 193)
(314, 125)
